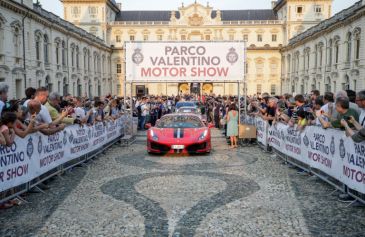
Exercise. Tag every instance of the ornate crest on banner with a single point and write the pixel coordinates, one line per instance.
(40, 148)
(137, 56)
(196, 20)
(64, 138)
(232, 56)
(342, 149)
(333, 146)
(71, 137)
(306, 140)
(30, 147)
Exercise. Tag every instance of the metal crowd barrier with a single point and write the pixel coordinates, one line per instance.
(338, 185)
(16, 191)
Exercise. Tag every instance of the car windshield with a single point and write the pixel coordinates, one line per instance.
(185, 104)
(180, 121)
(187, 110)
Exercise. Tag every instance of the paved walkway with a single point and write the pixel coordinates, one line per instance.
(241, 192)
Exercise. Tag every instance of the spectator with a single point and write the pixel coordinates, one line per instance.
(344, 112)
(30, 94)
(52, 104)
(232, 125)
(360, 101)
(271, 110)
(343, 94)
(4, 89)
(20, 129)
(7, 124)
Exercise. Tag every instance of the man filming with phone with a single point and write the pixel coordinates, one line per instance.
(344, 113)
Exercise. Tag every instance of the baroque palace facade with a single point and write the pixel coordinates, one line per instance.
(84, 53)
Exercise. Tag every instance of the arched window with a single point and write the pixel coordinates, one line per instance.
(79, 88)
(38, 41)
(63, 53)
(328, 85)
(289, 63)
(58, 45)
(357, 39)
(349, 47)
(337, 50)
(77, 57)
(329, 52)
(72, 55)
(320, 54)
(2, 33)
(85, 58)
(16, 29)
(346, 83)
(45, 49)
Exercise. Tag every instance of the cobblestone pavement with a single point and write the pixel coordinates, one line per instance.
(128, 193)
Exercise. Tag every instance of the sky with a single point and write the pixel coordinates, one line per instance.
(55, 6)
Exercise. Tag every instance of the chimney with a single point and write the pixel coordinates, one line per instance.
(273, 4)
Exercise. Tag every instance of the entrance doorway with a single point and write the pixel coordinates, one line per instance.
(207, 88)
(184, 88)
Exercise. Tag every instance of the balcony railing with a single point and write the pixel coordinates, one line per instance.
(259, 22)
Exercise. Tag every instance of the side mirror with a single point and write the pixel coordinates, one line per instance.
(148, 125)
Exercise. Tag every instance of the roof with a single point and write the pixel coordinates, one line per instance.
(227, 15)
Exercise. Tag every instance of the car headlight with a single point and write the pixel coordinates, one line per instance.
(203, 135)
(153, 135)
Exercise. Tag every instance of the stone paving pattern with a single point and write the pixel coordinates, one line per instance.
(227, 193)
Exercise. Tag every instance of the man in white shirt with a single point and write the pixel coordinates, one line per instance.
(327, 109)
(4, 89)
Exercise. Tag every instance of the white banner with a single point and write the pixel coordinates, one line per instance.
(262, 131)
(37, 154)
(185, 61)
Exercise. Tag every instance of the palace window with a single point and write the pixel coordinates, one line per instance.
(77, 57)
(45, 49)
(317, 9)
(231, 37)
(131, 37)
(145, 37)
(75, 11)
(119, 68)
(357, 37)
(300, 10)
(38, 46)
(16, 28)
(159, 37)
(245, 38)
(72, 55)
(259, 89)
(93, 11)
(274, 37)
(273, 89)
(349, 47)
(207, 37)
(183, 37)
(118, 39)
(337, 51)
(259, 38)
(57, 53)
(63, 53)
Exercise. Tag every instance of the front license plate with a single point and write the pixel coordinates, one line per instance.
(178, 147)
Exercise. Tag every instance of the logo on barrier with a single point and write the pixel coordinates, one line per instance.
(137, 56)
(342, 149)
(71, 137)
(40, 145)
(333, 146)
(232, 56)
(306, 140)
(30, 148)
(64, 137)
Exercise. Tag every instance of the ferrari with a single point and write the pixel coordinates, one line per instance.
(179, 133)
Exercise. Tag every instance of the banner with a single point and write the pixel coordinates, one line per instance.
(36, 154)
(185, 61)
(262, 128)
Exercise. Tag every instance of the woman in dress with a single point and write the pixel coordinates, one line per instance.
(232, 125)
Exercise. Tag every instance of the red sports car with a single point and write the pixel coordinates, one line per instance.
(179, 133)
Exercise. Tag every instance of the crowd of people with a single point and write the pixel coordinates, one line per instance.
(343, 110)
(50, 113)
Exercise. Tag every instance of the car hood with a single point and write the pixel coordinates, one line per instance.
(182, 133)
